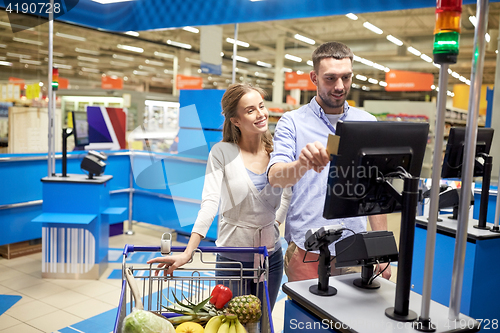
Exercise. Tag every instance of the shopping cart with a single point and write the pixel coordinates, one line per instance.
(194, 284)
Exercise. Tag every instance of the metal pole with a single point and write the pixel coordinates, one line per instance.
(50, 159)
(495, 227)
(53, 117)
(434, 200)
(468, 161)
(130, 196)
(235, 48)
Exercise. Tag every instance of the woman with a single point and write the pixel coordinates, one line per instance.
(236, 176)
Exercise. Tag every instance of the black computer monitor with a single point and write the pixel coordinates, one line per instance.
(80, 128)
(453, 158)
(368, 153)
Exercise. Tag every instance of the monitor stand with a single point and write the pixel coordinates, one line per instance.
(485, 193)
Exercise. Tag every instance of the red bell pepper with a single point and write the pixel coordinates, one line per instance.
(220, 296)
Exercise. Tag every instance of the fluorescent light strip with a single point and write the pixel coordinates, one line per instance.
(365, 88)
(414, 51)
(182, 45)
(63, 66)
(3, 46)
(115, 73)
(361, 77)
(166, 71)
(433, 87)
(12, 25)
(467, 82)
(394, 40)
(238, 42)
(264, 64)
(86, 64)
(27, 41)
(194, 61)
(87, 59)
(242, 59)
(366, 62)
(373, 28)
(121, 57)
(78, 38)
(155, 63)
(310, 63)
(354, 85)
(147, 68)
(130, 48)
(455, 75)
(462, 78)
(304, 39)
(3, 58)
(487, 37)
(293, 58)
(191, 29)
(118, 63)
(55, 54)
(287, 70)
(132, 33)
(141, 73)
(473, 20)
(425, 57)
(17, 55)
(90, 70)
(87, 51)
(352, 16)
(372, 81)
(382, 83)
(158, 79)
(5, 63)
(378, 66)
(164, 55)
(437, 65)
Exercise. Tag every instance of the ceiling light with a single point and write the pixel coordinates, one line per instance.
(372, 81)
(164, 55)
(287, 70)
(293, 58)
(141, 73)
(382, 83)
(182, 45)
(191, 29)
(373, 28)
(55, 54)
(132, 33)
(425, 57)
(63, 66)
(366, 62)
(437, 65)
(305, 39)
(222, 54)
(361, 77)
(3, 46)
(17, 55)
(449, 71)
(27, 41)
(20, 27)
(155, 63)
(310, 63)
(487, 37)
(264, 64)
(455, 75)
(130, 48)
(147, 68)
(117, 56)
(365, 88)
(78, 38)
(238, 42)
(90, 70)
(115, 73)
(414, 51)
(394, 40)
(86, 64)
(118, 63)
(87, 51)
(87, 59)
(467, 82)
(3, 58)
(387, 70)
(354, 85)
(378, 66)
(300, 72)
(473, 20)
(462, 78)
(352, 16)
(5, 63)
(433, 87)
(194, 61)
(166, 71)
(157, 79)
(242, 59)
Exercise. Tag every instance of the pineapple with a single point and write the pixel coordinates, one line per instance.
(247, 308)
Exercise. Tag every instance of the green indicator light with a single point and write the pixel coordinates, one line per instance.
(446, 42)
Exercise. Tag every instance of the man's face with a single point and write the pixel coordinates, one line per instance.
(333, 81)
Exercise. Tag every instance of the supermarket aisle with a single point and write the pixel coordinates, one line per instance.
(30, 304)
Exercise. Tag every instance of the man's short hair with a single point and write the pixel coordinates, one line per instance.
(334, 50)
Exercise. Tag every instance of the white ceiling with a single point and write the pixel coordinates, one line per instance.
(413, 27)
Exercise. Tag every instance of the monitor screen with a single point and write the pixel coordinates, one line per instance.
(80, 128)
(368, 153)
(452, 163)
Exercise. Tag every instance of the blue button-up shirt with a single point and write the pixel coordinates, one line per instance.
(293, 132)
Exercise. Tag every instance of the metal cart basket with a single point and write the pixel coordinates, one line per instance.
(194, 282)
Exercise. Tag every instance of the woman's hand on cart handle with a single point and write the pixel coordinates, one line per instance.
(171, 263)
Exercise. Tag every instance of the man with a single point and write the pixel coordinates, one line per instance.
(300, 158)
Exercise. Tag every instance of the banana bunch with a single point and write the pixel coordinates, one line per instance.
(225, 324)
